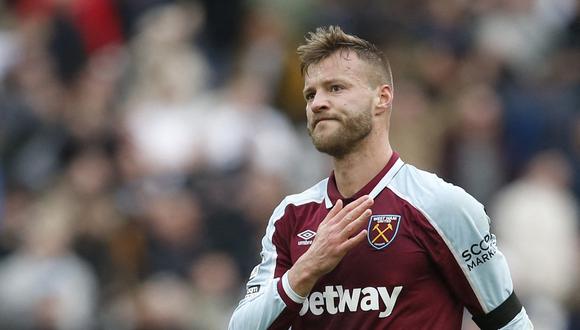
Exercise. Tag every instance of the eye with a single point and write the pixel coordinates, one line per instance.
(336, 88)
(309, 96)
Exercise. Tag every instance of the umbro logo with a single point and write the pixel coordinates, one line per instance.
(306, 236)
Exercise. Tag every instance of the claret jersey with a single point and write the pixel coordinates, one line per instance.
(429, 253)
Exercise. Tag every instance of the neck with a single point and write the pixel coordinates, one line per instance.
(354, 170)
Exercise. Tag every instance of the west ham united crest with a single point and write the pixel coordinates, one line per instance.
(383, 229)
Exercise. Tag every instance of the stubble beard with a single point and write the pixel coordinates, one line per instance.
(344, 139)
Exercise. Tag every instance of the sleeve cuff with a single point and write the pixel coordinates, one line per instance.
(501, 315)
(292, 300)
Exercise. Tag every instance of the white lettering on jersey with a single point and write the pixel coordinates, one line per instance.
(316, 303)
(389, 300)
(347, 299)
(350, 300)
(370, 300)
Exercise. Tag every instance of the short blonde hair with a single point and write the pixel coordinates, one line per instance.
(325, 41)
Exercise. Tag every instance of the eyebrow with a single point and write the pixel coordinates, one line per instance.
(307, 90)
(326, 82)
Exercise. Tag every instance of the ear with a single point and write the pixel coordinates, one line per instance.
(385, 98)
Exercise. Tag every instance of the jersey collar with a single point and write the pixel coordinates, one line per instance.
(373, 188)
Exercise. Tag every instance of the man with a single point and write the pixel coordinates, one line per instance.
(379, 244)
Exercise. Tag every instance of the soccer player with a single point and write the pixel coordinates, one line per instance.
(379, 244)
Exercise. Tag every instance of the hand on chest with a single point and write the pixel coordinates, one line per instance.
(389, 254)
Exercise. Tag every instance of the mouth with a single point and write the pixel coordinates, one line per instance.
(321, 120)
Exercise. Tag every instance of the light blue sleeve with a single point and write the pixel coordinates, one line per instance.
(262, 303)
(462, 223)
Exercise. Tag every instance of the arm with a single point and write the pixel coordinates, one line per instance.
(262, 303)
(458, 238)
(276, 289)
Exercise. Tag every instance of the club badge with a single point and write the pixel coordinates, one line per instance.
(383, 229)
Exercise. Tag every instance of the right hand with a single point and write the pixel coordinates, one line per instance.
(334, 238)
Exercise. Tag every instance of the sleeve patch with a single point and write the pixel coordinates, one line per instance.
(480, 252)
(252, 290)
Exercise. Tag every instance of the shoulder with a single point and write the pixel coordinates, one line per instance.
(437, 199)
(314, 194)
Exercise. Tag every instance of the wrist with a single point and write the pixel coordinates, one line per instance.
(302, 277)
(295, 297)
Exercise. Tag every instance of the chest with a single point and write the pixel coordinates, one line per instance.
(390, 256)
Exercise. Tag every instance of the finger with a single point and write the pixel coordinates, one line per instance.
(352, 242)
(355, 225)
(345, 211)
(337, 207)
(334, 211)
(356, 212)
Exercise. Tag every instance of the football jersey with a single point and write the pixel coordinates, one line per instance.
(429, 253)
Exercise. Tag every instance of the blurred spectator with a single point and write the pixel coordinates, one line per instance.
(86, 184)
(164, 302)
(255, 131)
(522, 32)
(175, 232)
(575, 152)
(8, 49)
(214, 277)
(161, 302)
(33, 136)
(413, 120)
(43, 284)
(536, 221)
(162, 122)
(2, 197)
(220, 35)
(474, 158)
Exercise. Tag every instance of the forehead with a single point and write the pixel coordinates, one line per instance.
(339, 65)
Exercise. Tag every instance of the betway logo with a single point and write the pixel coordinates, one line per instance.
(336, 300)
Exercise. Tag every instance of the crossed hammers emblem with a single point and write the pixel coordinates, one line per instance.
(382, 232)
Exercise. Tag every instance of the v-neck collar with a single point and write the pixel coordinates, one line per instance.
(372, 188)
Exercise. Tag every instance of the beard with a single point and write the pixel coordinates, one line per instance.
(346, 137)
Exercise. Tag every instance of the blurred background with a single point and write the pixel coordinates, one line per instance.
(145, 143)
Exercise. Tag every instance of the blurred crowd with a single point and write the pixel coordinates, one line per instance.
(145, 143)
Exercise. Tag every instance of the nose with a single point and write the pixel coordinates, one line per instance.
(319, 103)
